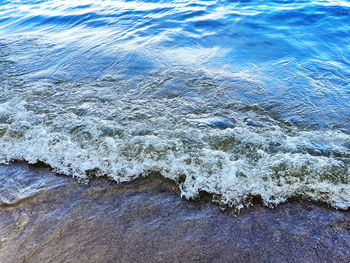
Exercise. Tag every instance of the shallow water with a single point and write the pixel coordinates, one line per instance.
(237, 99)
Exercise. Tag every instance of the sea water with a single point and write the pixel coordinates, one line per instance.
(239, 99)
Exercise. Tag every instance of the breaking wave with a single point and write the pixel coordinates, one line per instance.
(237, 112)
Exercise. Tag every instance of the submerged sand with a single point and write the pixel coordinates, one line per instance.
(49, 218)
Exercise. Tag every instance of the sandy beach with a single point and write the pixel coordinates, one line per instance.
(49, 218)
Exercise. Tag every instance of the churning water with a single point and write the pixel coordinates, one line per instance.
(234, 98)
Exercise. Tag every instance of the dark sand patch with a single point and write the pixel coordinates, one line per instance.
(56, 219)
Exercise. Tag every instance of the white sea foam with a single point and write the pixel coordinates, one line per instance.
(273, 161)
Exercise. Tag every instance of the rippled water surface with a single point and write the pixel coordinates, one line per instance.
(235, 98)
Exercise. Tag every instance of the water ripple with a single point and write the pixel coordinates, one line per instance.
(236, 98)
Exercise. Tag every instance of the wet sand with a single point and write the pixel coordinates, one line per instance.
(49, 218)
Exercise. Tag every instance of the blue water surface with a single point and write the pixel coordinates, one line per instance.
(297, 53)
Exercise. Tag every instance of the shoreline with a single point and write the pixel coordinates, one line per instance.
(61, 220)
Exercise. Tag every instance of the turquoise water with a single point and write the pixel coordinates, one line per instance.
(235, 98)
